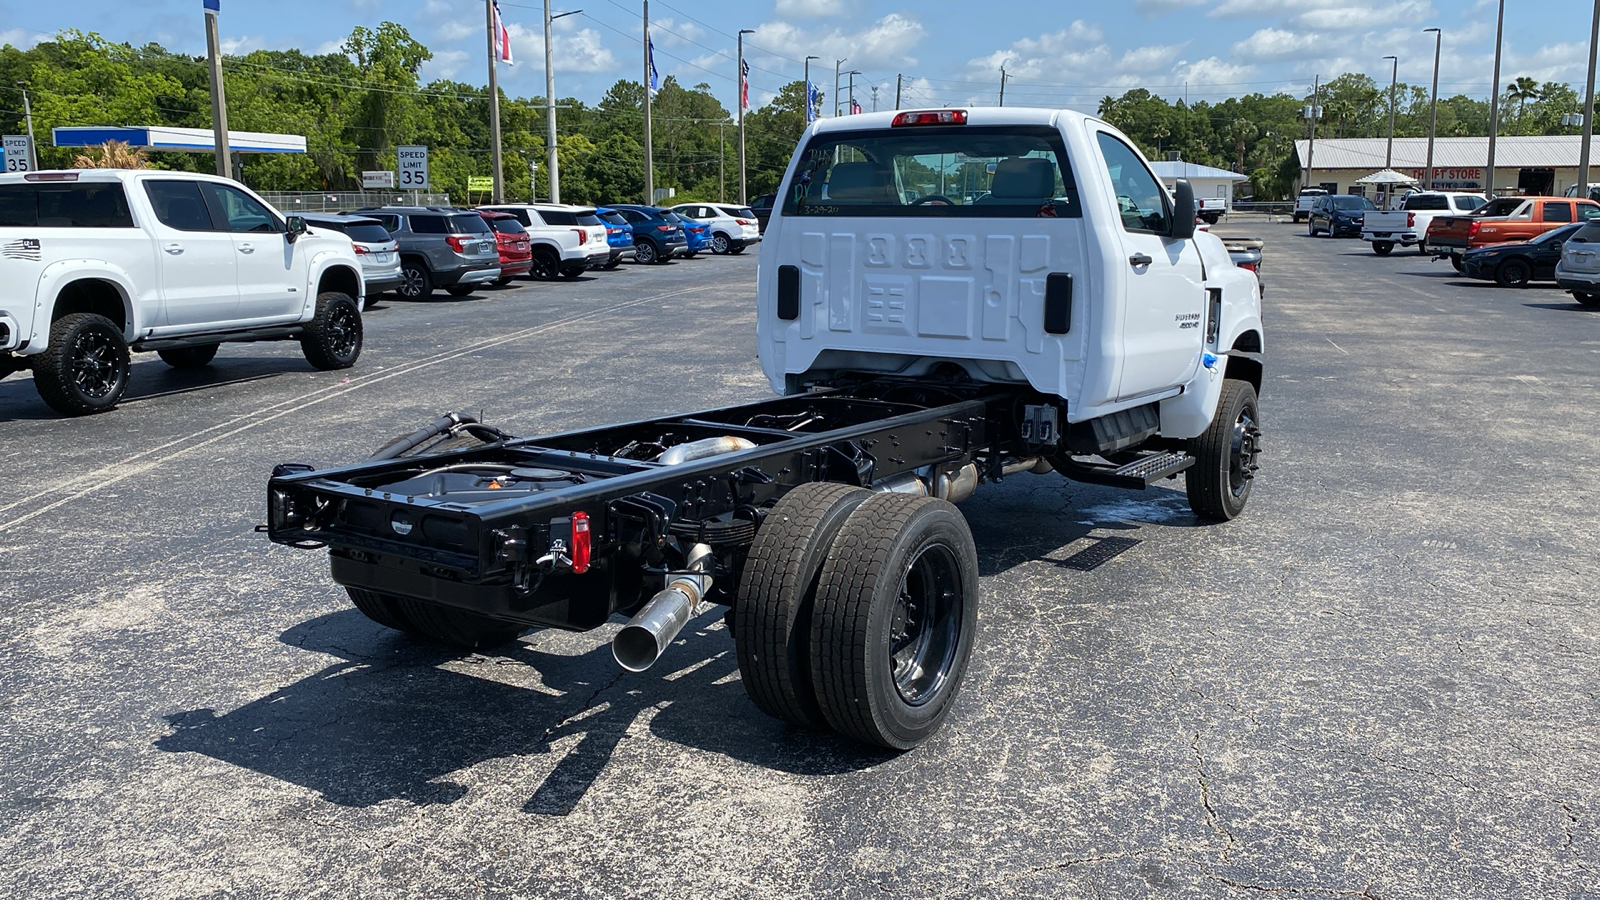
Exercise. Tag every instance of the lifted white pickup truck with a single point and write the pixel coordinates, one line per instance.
(97, 262)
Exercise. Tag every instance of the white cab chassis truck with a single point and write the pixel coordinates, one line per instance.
(1067, 319)
(96, 263)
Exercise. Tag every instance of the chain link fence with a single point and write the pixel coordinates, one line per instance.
(342, 201)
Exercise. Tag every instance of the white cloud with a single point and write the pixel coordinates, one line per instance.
(1275, 44)
(576, 49)
(326, 47)
(670, 33)
(241, 45)
(1159, 7)
(445, 64)
(21, 38)
(1357, 17)
(807, 9)
(1269, 8)
(1213, 71)
(883, 44)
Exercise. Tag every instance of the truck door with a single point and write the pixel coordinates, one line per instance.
(268, 287)
(199, 278)
(1163, 295)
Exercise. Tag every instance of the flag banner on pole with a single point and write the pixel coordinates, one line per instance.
(812, 96)
(502, 38)
(855, 108)
(744, 84)
(655, 80)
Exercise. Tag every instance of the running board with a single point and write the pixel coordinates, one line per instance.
(1136, 475)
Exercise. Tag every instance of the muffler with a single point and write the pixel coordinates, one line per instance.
(648, 634)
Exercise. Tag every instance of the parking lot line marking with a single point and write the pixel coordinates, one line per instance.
(1336, 346)
(125, 469)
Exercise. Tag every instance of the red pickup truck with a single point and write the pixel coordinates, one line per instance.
(1505, 220)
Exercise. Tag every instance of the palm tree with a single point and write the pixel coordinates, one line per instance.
(1241, 131)
(1522, 90)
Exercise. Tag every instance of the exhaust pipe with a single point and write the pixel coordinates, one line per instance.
(648, 634)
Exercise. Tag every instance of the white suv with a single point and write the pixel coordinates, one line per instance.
(566, 240)
(733, 228)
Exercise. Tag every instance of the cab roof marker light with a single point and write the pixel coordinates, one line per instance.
(931, 117)
(50, 176)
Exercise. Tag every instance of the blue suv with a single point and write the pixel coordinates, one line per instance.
(697, 233)
(657, 233)
(619, 236)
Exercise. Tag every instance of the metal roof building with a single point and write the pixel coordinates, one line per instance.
(1207, 181)
(1523, 164)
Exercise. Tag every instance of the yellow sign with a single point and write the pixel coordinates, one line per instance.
(480, 183)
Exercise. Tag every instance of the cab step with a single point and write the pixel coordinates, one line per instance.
(1136, 475)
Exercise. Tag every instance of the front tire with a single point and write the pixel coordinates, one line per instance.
(416, 281)
(1513, 273)
(332, 340)
(736, 249)
(1383, 248)
(777, 592)
(188, 357)
(1455, 260)
(895, 619)
(85, 370)
(1225, 455)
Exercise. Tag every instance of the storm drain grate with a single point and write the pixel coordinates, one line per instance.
(1104, 550)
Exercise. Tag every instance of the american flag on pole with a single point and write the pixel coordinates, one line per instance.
(502, 38)
(655, 80)
(744, 84)
(855, 108)
(813, 97)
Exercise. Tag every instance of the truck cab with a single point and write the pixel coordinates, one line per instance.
(1010, 246)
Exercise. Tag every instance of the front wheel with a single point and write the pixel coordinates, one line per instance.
(188, 357)
(416, 281)
(332, 340)
(1455, 260)
(895, 619)
(645, 253)
(1383, 248)
(1225, 456)
(1513, 273)
(719, 244)
(86, 367)
(1311, 228)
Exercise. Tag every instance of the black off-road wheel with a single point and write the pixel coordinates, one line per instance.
(332, 340)
(1226, 455)
(1383, 248)
(454, 627)
(188, 357)
(895, 619)
(1513, 273)
(772, 618)
(86, 368)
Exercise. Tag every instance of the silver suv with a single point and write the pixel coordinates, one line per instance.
(440, 247)
(378, 251)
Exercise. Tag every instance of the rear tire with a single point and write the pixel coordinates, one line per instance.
(1422, 247)
(546, 265)
(644, 253)
(380, 608)
(1225, 456)
(332, 340)
(719, 243)
(736, 250)
(895, 619)
(459, 290)
(417, 281)
(1586, 299)
(85, 369)
(188, 357)
(1513, 273)
(573, 273)
(772, 621)
(1383, 248)
(1455, 260)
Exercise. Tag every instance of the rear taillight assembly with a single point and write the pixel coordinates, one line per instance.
(663, 227)
(457, 244)
(583, 236)
(1411, 220)
(1472, 230)
(581, 543)
(1249, 265)
(360, 250)
(746, 221)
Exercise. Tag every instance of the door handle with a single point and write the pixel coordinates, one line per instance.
(174, 249)
(247, 248)
(1139, 259)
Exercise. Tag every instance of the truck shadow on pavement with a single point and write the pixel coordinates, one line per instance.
(394, 719)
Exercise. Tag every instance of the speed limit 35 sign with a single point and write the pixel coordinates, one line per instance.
(17, 155)
(413, 166)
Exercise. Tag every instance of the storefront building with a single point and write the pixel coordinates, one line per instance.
(1533, 165)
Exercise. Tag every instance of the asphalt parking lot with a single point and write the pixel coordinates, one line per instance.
(1382, 681)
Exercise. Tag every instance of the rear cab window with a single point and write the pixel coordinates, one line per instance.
(935, 172)
(57, 205)
(1417, 203)
(1467, 204)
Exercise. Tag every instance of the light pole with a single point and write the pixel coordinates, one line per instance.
(552, 163)
(852, 99)
(1433, 107)
(836, 64)
(810, 107)
(219, 102)
(1588, 108)
(744, 85)
(491, 15)
(1003, 83)
(1313, 113)
(27, 112)
(1394, 78)
(1494, 102)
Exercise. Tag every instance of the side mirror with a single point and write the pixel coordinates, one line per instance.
(295, 226)
(1183, 210)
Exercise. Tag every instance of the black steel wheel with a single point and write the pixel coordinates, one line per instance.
(1513, 273)
(1226, 455)
(332, 340)
(777, 590)
(895, 619)
(1383, 248)
(416, 281)
(188, 357)
(719, 243)
(645, 253)
(86, 367)
(546, 265)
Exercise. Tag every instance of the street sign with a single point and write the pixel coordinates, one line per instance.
(413, 165)
(476, 183)
(16, 152)
(377, 179)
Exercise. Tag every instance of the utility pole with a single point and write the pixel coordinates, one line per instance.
(552, 162)
(1494, 99)
(852, 74)
(744, 86)
(1003, 83)
(1588, 107)
(897, 82)
(836, 64)
(874, 98)
(649, 158)
(27, 112)
(1433, 114)
(219, 103)
(722, 157)
(1313, 112)
(499, 193)
(1394, 77)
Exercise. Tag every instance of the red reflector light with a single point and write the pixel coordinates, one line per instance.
(50, 176)
(580, 542)
(934, 117)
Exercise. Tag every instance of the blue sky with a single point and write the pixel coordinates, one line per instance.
(1065, 53)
